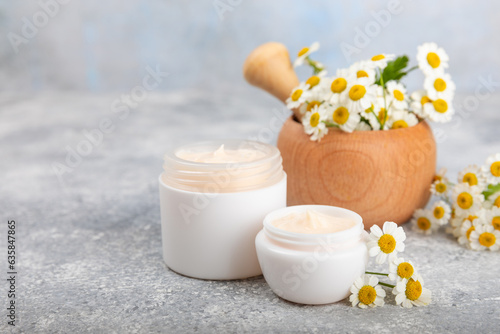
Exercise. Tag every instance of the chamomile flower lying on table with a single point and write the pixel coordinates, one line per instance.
(367, 290)
(367, 93)
(472, 212)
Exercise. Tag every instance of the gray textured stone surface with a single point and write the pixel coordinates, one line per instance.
(90, 245)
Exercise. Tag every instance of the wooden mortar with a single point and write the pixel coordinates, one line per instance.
(382, 175)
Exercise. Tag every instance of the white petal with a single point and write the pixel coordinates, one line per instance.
(376, 231)
(407, 303)
(400, 297)
(374, 251)
(381, 258)
(379, 301)
(390, 227)
(373, 281)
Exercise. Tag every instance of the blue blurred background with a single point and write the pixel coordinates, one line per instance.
(105, 46)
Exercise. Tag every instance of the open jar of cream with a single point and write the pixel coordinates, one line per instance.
(213, 198)
(311, 254)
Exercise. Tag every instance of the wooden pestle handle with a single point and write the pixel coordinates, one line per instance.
(269, 67)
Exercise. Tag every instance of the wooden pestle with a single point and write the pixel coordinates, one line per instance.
(269, 67)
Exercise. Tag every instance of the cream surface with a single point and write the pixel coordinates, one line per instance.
(312, 222)
(222, 155)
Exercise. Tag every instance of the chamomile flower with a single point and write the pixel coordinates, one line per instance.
(485, 237)
(314, 98)
(340, 82)
(313, 122)
(472, 175)
(422, 221)
(492, 217)
(342, 116)
(363, 69)
(457, 222)
(418, 100)
(360, 95)
(411, 292)
(400, 269)
(492, 169)
(298, 96)
(439, 110)
(316, 82)
(376, 114)
(441, 213)
(401, 119)
(386, 242)
(493, 201)
(439, 86)
(305, 52)
(466, 199)
(466, 229)
(381, 60)
(397, 92)
(439, 187)
(431, 58)
(365, 292)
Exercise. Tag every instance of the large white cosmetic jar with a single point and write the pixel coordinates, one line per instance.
(312, 268)
(212, 211)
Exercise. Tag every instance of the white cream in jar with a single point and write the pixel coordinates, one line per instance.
(213, 198)
(311, 254)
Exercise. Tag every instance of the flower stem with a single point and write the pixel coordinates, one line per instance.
(374, 273)
(387, 285)
(313, 64)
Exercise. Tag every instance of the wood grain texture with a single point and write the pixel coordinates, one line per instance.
(382, 175)
(269, 67)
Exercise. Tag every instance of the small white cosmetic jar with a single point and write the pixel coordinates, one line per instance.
(312, 268)
(211, 212)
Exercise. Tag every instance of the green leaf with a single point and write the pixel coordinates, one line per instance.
(394, 70)
(491, 190)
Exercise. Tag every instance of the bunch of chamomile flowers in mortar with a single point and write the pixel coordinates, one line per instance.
(369, 95)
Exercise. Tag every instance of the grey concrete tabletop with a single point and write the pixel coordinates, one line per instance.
(88, 236)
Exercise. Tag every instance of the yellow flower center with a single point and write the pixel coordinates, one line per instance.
(413, 289)
(423, 223)
(381, 114)
(361, 74)
(296, 94)
(378, 57)
(470, 218)
(387, 243)
(367, 294)
(399, 124)
(464, 200)
(440, 105)
(441, 187)
(357, 92)
(439, 85)
(313, 81)
(487, 239)
(437, 178)
(303, 51)
(470, 178)
(398, 95)
(497, 202)
(313, 104)
(314, 121)
(405, 270)
(338, 85)
(495, 168)
(433, 59)
(469, 231)
(340, 115)
(496, 223)
(438, 212)
(424, 100)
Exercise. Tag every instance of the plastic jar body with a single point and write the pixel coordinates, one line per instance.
(312, 268)
(211, 212)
